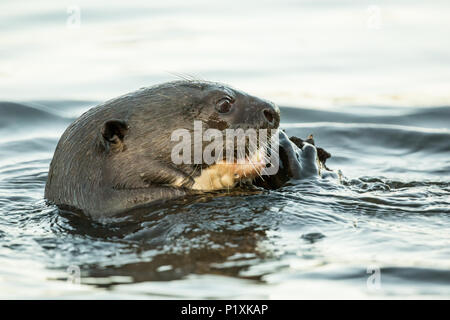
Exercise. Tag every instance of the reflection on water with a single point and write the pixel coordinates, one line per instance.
(315, 239)
(391, 212)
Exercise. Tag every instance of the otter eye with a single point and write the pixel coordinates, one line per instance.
(224, 105)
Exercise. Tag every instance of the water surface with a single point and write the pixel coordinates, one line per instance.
(375, 98)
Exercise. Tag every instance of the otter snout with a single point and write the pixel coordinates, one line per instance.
(270, 115)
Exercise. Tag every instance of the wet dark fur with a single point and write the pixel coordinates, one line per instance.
(116, 156)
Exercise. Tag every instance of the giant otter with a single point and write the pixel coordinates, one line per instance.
(117, 156)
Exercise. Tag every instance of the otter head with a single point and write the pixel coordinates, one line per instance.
(141, 140)
(118, 155)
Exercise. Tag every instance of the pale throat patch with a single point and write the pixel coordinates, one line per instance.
(224, 175)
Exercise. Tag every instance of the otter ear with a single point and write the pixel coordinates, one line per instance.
(113, 132)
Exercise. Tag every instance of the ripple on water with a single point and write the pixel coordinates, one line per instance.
(391, 211)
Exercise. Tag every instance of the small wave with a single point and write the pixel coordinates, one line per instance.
(427, 117)
(12, 113)
(369, 138)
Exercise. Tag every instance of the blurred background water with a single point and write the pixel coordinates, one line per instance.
(370, 80)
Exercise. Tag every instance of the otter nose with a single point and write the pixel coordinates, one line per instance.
(271, 115)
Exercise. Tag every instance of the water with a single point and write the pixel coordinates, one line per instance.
(374, 96)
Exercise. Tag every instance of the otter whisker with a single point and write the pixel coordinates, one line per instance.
(251, 162)
(181, 76)
(256, 170)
